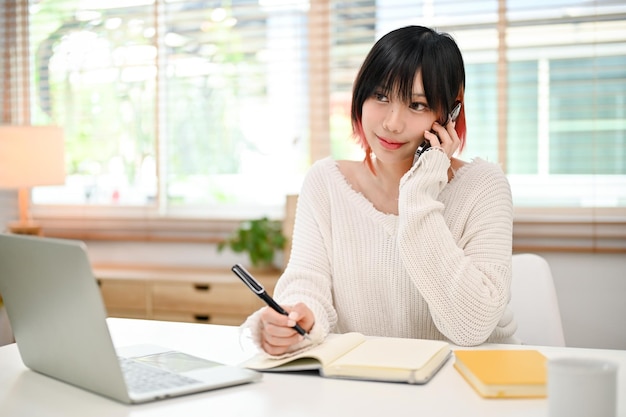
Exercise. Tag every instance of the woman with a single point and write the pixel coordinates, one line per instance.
(389, 247)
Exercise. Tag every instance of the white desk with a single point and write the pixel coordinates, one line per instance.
(24, 393)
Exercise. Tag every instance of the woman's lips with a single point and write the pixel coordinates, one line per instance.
(389, 145)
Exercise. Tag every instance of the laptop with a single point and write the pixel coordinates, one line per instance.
(59, 323)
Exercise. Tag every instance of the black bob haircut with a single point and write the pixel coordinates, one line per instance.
(394, 60)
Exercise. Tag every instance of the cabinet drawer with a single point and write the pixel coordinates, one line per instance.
(124, 295)
(224, 319)
(128, 313)
(190, 295)
(229, 298)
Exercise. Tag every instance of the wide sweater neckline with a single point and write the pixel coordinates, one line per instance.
(363, 203)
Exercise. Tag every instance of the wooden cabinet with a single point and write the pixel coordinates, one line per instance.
(214, 296)
(125, 298)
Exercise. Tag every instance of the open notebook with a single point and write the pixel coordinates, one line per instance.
(355, 356)
(59, 322)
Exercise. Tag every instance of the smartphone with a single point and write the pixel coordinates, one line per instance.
(452, 116)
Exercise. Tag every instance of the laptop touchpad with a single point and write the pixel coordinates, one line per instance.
(176, 361)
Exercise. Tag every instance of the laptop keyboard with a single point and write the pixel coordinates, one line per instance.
(141, 378)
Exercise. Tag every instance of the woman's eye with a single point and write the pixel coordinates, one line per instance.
(380, 97)
(418, 106)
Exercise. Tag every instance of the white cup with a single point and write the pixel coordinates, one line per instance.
(582, 388)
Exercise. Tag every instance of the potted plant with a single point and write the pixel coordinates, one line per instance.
(259, 238)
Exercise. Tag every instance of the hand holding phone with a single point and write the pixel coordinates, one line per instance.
(452, 116)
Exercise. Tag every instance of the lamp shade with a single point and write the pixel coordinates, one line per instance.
(31, 156)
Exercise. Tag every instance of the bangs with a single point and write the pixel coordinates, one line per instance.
(397, 79)
(401, 61)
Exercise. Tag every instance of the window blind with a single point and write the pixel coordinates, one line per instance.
(211, 108)
(14, 63)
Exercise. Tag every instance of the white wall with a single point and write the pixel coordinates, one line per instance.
(8, 208)
(592, 296)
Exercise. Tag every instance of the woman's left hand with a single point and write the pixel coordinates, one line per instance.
(444, 138)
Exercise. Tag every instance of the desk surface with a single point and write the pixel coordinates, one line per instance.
(24, 393)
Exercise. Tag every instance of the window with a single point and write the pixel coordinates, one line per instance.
(175, 106)
(555, 118)
(215, 107)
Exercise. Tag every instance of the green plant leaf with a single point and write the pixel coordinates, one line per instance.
(259, 238)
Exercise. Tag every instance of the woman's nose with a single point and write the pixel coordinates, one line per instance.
(393, 119)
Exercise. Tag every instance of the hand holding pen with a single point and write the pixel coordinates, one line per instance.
(259, 290)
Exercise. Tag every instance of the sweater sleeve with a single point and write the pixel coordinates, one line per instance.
(464, 278)
(307, 277)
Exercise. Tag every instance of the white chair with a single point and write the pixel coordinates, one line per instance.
(534, 302)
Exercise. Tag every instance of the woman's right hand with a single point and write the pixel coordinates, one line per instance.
(277, 333)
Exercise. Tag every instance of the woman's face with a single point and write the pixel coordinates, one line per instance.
(393, 128)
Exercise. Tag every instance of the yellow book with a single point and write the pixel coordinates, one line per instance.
(504, 373)
(355, 356)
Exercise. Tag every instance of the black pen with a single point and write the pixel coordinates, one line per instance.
(259, 290)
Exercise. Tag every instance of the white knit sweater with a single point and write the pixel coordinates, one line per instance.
(441, 269)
